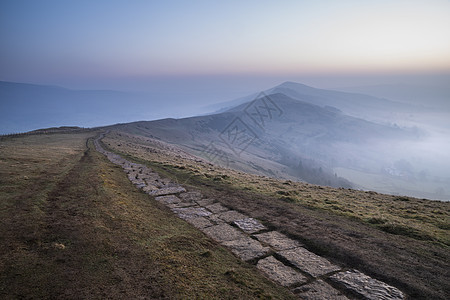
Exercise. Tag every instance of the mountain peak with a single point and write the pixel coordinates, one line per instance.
(291, 84)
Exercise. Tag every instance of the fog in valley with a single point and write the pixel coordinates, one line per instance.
(322, 136)
(415, 161)
(416, 167)
(419, 166)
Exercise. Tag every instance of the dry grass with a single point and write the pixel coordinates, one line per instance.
(75, 227)
(400, 240)
(417, 218)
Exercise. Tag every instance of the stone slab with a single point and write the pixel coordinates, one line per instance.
(205, 202)
(366, 286)
(149, 188)
(151, 179)
(216, 208)
(215, 219)
(140, 185)
(200, 222)
(277, 241)
(190, 212)
(223, 233)
(246, 248)
(319, 290)
(131, 176)
(169, 199)
(142, 176)
(250, 225)
(308, 262)
(182, 204)
(137, 182)
(158, 184)
(277, 271)
(231, 216)
(168, 182)
(168, 191)
(160, 181)
(191, 196)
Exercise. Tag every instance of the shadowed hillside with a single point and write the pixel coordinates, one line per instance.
(273, 135)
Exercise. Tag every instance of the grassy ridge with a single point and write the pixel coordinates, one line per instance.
(416, 218)
(73, 226)
(400, 240)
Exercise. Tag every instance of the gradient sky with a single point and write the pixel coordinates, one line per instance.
(79, 42)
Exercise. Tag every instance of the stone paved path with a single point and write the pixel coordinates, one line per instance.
(280, 258)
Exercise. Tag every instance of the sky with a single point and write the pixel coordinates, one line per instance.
(128, 44)
(180, 57)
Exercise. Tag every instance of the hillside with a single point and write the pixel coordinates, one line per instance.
(84, 219)
(319, 136)
(400, 240)
(358, 105)
(354, 104)
(25, 107)
(287, 138)
(298, 141)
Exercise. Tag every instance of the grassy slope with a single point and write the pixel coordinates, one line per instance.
(401, 240)
(73, 226)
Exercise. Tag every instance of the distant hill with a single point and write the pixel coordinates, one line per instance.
(354, 104)
(275, 135)
(430, 96)
(25, 107)
(291, 131)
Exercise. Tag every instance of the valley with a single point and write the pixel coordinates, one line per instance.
(295, 134)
